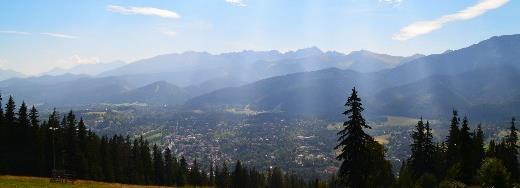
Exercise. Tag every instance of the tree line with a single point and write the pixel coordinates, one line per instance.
(461, 160)
(30, 147)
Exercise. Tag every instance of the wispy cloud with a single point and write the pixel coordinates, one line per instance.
(14, 32)
(148, 11)
(424, 27)
(239, 3)
(59, 35)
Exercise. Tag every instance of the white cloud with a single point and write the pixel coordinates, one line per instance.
(424, 27)
(14, 32)
(148, 11)
(59, 35)
(239, 3)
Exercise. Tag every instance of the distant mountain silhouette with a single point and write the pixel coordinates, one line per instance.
(473, 79)
(480, 79)
(8, 74)
(86, 69)
(192, 68)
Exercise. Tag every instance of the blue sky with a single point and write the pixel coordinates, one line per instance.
(36, 36)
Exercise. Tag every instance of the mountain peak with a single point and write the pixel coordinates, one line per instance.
(304, 52)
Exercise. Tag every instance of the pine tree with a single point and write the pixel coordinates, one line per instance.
(34, 117)
(239, 176)
(3, 140)
(211, 175)
(10, 111)
(222, 177)
(452, 141)
(417, 160)
(1, 110)
(158, 165)
(169, 167)
(25, 141)
(147, 161)
(183, 172)
(71, 140)
(359, 153)
(276, 179)
(478, 147)
(465, 145)
(512, 147)
(106, 160)
(82, 165)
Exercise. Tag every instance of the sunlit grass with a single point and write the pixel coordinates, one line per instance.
(30, 182)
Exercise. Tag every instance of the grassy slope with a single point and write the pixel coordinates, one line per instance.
(22, 182)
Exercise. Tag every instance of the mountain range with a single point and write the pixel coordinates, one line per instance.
(479, 80)
(87, 69)
(6, 74)
(182, 76)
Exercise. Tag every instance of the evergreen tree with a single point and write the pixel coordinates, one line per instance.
(418, 159)
(106, 160)
(146, 161)
(10, 111)
(183, 172)
(158, 165)
(23, 118)
(169, 167)
(239, 176)
(71, 153)
(452, 141)
(465, 145)
(25, 140)
(276, 179)
(211, 175)
(34, 117)
(222, 177)
(512, 147)
(478, 147)
(82, 165)
(3, 140)
(357, 149)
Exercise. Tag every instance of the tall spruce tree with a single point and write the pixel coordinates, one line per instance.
(361, 156)
(465, 145)
(478, 147)
(158, 165)
(10, 114)
(452, 141)
(3, 140)
(183, 172)
(169, 167)
(25, 141)
(512, 147)
(417, 160)
(34, 117)
(423, 150)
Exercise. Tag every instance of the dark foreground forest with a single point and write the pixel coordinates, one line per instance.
(32, 147)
